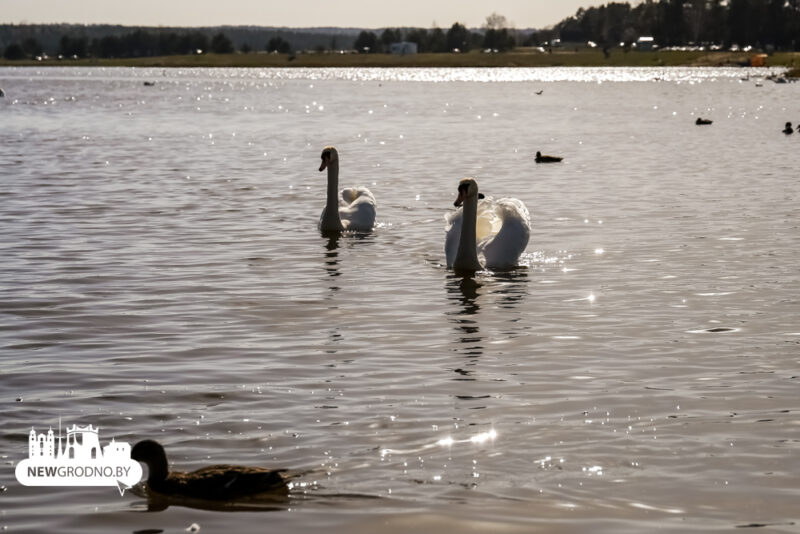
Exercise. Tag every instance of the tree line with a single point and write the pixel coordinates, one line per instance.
(104, 40)
(759, 23)
(458, 38)
(137, 43)
(143, 43)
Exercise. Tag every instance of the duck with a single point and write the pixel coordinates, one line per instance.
(213, 483)
(547, 159)
(357, 208)
(703, 122)
(788, 128)
(495, 230)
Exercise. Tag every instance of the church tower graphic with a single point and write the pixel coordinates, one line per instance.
(77, 459)
(82, 443)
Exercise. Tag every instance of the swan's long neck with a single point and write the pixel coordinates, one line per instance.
(331, 221)
(467, 255)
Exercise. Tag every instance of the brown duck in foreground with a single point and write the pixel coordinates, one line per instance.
(547, 159)
(215, 483)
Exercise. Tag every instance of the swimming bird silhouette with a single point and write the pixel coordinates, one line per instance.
(547, 159)
(214, 483)
(357, 207)
(702, 122)
(495, 230)
(788, 128)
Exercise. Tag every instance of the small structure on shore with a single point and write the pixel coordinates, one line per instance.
(645, 43)
(403, 48)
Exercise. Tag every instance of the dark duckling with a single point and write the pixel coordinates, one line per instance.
(788, 128)
(215, 483)
(547, 159)
(702, 122)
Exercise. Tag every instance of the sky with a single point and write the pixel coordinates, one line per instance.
(291, 13)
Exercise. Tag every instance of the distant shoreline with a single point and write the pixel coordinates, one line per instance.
(516, 58)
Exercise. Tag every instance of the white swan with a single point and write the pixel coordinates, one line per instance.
(498, 230)
(356, 210)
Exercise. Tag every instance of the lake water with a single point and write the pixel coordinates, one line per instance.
(162, 277)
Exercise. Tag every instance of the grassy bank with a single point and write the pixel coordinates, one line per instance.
(517, 58)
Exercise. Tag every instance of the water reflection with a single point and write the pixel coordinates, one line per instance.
(334, 337)
(257, 503)
(505, 293)
(464, 292)
(448, 441)
(512, 289)
(331, 261)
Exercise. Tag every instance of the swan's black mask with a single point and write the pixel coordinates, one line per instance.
(462, 194)
(326, 159)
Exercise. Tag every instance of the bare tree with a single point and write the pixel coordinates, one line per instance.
(495, 21)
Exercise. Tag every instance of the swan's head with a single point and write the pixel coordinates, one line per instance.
(467, 188)
(329, 155)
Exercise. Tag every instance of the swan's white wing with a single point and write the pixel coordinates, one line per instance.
(453, 235)
(503, 249)
(350, 194)
(358, 209)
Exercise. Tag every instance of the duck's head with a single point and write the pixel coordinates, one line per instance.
(329, 156)
(467, 188)
(538, 154)
(151, 453)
